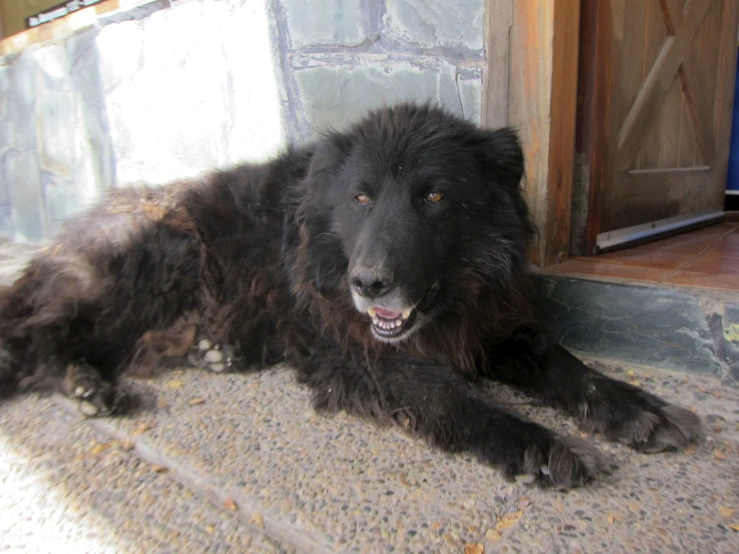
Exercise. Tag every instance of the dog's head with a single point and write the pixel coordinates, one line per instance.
(408, 203)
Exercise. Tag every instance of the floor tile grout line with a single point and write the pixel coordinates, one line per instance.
(191, 479)
(699, 255)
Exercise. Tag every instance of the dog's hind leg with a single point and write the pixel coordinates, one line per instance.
(245, 331)
(168, 346)
(74, 317)
(83, 382)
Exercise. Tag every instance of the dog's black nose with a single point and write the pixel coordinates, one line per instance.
(372, 282)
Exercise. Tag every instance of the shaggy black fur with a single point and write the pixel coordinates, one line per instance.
(386, 263)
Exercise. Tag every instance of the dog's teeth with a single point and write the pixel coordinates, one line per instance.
(407, 313)
(372, 313)
(398, 323)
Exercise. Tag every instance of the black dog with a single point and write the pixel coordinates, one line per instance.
(386, 263)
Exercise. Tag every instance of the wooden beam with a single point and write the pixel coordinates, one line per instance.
(495, 77)
(593, 125)
(565, 50)
(542, 95)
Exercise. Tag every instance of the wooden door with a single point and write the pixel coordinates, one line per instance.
(655, 93)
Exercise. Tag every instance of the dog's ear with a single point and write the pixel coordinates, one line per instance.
(503, 164)
(328, 157)
(318, 262)
(501, 155)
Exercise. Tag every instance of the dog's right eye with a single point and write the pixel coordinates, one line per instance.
(362, 199)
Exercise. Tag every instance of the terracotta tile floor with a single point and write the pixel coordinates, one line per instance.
(707, 257)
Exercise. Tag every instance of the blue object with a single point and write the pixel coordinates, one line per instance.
(732, 180)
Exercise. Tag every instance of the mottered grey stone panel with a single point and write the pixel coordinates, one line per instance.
(193, 90)
(6, 145)
(430, 23)
(65, 154)
(156, 94)
(22, 214)
(335, 94)
(324, 22)
(659, 327)
(470, 94)
(27, 211)
(56, 111)
(728, 338)
(49, 166)
(86, 80)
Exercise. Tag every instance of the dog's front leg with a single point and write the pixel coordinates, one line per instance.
(450, 412)
(619, 410)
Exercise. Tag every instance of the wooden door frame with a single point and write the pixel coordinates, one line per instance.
(530, 83)
(591, 132)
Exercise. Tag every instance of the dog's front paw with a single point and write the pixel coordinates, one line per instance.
(96, 396)
(562, 463)
(214, 357)
(635, 417)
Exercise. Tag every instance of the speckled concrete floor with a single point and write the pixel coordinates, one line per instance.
(242, 463)
(67, 487)
(206, 462)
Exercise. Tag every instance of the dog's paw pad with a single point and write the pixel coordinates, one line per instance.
(88, 409)
(213, 357)
(95, 396)
(84, 392)
(98, 402)
(526, 478)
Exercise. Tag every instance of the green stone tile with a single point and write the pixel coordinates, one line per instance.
(660, 327)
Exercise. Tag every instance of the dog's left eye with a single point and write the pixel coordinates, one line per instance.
(433, 197)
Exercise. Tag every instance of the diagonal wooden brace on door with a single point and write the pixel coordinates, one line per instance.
(673, 59)
(693, 88)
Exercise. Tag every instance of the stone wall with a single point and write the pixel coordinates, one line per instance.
(342, 57)
(175, 88)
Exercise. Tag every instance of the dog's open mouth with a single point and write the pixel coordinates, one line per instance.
(388, 323)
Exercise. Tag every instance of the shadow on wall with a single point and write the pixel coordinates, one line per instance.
(160, 93)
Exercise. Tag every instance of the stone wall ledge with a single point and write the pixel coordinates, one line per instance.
(340, 57)
(381, 45)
